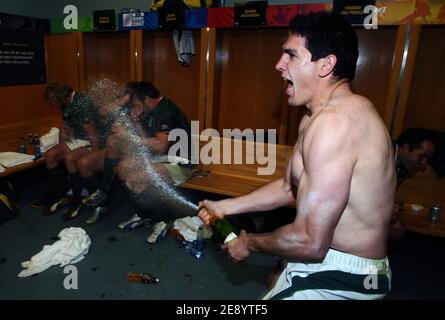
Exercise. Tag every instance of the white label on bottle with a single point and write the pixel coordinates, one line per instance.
(230, 237)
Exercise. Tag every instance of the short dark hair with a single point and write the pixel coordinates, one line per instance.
(131, 89)
(328, 33)
(146, 89)
(414, 137)
(58, 93)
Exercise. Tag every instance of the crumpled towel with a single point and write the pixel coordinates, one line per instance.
(73, 245)
(184, 46)
(77, 143)
(49, 140)
(2, 168)
(188, 227)
(10, 159)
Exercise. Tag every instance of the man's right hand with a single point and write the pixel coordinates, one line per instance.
(136, 112)
(120, 131)
(214, 206)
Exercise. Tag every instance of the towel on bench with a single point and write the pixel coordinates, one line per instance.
(11, 159)
(49, 140)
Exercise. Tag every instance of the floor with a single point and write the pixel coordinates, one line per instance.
(417, 262)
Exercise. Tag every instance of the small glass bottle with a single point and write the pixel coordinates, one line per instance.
(22, 147)
(142, 277)
(37, 151)
(435, 212)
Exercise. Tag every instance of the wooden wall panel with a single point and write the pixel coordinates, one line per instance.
(162, 68)
(107, 55)
(426, 101)
(250, 89)
(24, 103)
(376, 52)
(62, 59)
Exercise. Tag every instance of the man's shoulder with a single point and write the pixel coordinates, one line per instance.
(346, 111)
(351, 100)
(82, 100)
(167, 103)
(169, 108)
(341, 120)
(329, 119)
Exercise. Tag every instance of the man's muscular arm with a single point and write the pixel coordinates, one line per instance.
(323, 192)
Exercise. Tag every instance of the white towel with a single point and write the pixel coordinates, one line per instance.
(77, 143)
(73, 245)
(184, 46)
(10, 159)
(188, 227)
(2, 168)
(49, 140)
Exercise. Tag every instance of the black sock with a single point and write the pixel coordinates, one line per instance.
(59, 183)
(76, 184)
(91, 183)
(108, 175)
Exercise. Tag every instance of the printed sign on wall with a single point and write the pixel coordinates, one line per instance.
(250, 14)
(104, 20)
(22, 58)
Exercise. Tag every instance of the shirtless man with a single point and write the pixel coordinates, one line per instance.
(341, 176)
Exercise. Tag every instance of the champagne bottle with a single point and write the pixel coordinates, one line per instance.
(222, 226)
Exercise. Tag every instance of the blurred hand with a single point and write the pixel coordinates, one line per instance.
(136, 112)
(120, 130)
(114, 105)
(214, 206)
(238, 248)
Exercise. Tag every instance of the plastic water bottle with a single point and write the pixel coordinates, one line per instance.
(37, 152)
(22, 147)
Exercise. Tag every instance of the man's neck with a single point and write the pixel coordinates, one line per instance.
(325, 94)
(151, 108)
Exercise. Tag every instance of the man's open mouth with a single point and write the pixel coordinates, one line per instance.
(290, 86)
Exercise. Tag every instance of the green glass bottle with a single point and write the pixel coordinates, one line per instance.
(222, 226)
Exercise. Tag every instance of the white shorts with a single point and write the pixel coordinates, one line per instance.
(77, 143)
(340, 276)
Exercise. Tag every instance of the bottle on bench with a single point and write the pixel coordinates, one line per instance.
(37, 151)
(22, 147)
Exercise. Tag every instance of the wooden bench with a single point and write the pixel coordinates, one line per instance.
(10, 139)
(238, 179)
(424, 189)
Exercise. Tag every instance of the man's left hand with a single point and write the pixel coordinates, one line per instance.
(237, 248)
